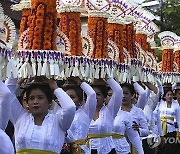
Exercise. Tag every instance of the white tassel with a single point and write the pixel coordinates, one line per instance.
(102, 71)
(33, 66)
(87, 70)
(39, 65)
(76, 69)
(11, 68)
(96, 76)
(82, 70)
(44, 67)
(51, 61)
(56, 68)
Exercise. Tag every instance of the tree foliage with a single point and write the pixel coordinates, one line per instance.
(169, 13)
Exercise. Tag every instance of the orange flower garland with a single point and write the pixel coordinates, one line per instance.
(177, 59)
(42, 29)
(115, 34)
(70, 24)
(24, 20)
(167, 60)
(142, 40)
(129, 39)
(97, 30)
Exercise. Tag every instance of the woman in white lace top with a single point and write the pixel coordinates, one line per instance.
(78, 131)
(39, 131)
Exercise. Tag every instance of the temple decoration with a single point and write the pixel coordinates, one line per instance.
(167, 42)
(97, 26)
(177, 53)
(25, 7)
(70, 23)
(42, 28)
(115, 28)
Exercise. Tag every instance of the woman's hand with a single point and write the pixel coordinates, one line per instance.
(135, 126)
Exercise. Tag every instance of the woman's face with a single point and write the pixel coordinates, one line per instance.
(38, 102)
(99, 97)
(169, 96)
(127, 96)
(178, 95)
(24, 102)
(72, 93)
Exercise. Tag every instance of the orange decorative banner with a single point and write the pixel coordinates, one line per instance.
(97, 30)
(42, 30)
(177, 59)
(24, 20)
(70, 24)
(167, 60)
(129, 39)
(115, 32)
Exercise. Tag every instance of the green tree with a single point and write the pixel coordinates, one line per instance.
(169, 13)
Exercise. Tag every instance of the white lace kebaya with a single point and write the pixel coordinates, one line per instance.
(139, 117)
(172, 112)
(104, 123)
(123, 125)
(83, 116)
(50, 135)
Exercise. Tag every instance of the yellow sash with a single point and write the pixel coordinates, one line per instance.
(133, 151)
(34, 151)
(95, 136)
(178, 134)
(76, 149)
(164, 123)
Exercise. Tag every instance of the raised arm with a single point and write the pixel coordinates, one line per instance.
(116, 99)
(12, 84)
(17, 109)
(143, 126)
(133, 136)
(141, 102)
(67, 113)
(91, 102)
(5, 105)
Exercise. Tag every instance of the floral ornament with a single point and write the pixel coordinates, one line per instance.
(177, 59)
(167, 60)
(24, 20)
(115, 32)
(42, 28)
(70, 25)
(97, 30)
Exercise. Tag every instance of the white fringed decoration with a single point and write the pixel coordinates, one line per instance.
(34, 66)
(39, 65)
(11, 68)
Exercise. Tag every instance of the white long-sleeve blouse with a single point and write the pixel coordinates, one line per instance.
(173, 112)
(123, 125)
(139, 117)
(83, 116)
(50, 135)
(104, 123)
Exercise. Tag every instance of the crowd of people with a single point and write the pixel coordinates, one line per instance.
(77, 117)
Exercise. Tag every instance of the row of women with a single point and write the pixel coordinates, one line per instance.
(96, 118)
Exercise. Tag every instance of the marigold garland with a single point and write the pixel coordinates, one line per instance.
(129, 39)
(97, 30)
(24, 20)
(177, 59)
(42, 29)
(167, 60)
(70, 24)
(115, 32)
